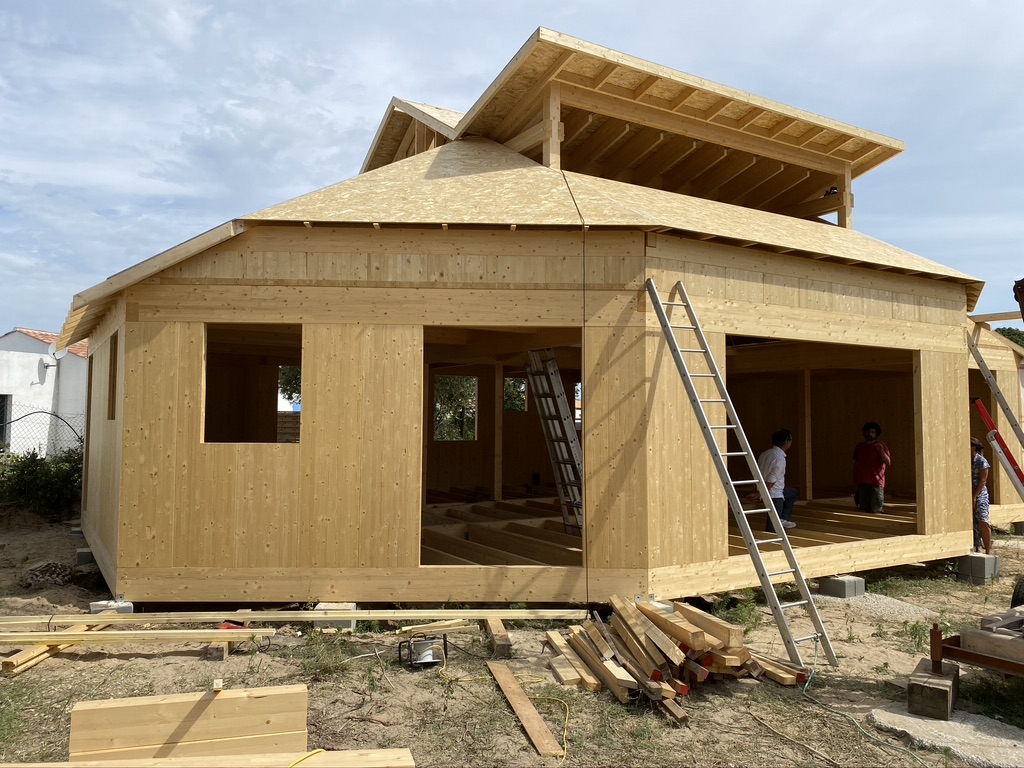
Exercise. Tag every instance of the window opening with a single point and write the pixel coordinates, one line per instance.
(455, 408)
(515, 395)
(245, 382)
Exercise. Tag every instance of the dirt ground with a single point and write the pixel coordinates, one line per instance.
(360, 697)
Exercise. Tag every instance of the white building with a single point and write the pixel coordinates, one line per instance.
(42, 398)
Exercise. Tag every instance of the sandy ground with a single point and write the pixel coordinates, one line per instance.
(360, 697)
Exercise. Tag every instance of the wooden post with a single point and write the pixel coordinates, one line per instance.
(552, 119)
(499, 421)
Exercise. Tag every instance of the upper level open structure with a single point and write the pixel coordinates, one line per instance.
(575, 106)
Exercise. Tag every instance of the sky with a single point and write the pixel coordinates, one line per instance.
(129, 126)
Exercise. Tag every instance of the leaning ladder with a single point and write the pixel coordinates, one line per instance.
(1013, 470)
(732, 487)
(1011, 418)
(559, 425)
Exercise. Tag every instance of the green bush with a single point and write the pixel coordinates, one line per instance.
(50, 487)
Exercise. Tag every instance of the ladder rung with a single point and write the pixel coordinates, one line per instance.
(794, 604)
(804, 639)
(702, 376)
(694, 351)
(743, 482)
(755, 511)
(716, 400)
(768, 541)
(721, 426)
(736, 453)
(683, 327)
(782, 573)
(674, 304)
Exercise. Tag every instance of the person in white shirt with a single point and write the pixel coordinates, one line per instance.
(772, 464)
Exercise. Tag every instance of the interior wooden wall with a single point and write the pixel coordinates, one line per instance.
(842, 401)
(765, 403)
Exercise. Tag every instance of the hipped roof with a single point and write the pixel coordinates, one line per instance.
(476, 182)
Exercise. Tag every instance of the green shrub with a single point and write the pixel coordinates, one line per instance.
(50, 487)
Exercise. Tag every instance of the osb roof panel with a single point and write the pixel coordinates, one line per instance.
(691, 214)
(473, 181)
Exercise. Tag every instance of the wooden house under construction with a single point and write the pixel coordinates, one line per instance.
(530, 222)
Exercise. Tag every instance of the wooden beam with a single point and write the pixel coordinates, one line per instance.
(730, 634)
(597, 144)
(666, 157)
(846, 190)
(551, 117)
(30, 657)
(635, 149)
(561, 647)
(748, 180)
(500, 641)
(527, 546)
(543, 740)
(528, 139)
(779, 183)
(575, 123)
(133, 636)
(705, 184)
(696, 163)
(595, 665)
(623, 109)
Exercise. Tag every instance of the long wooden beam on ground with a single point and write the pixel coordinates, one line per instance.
(545, 742)
(28, 658)
(133, 636)
(285, 617)
(347, 758)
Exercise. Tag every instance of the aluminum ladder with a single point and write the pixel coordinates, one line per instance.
(1002, 451)
(727, 421)
(1011, 418)
(559, 425)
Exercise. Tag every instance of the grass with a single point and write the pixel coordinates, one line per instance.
(995, 697)
(742, 608)
(15, 698)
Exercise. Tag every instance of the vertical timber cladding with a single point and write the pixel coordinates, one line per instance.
(345, 496)
(944, 456)
(103, 452)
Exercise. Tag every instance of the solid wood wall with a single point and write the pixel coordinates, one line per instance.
(347, 495)
(943, 455)
(102, 461)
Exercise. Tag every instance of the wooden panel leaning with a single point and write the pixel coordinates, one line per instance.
(233, 722)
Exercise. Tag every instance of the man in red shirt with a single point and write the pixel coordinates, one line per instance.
(870, 460)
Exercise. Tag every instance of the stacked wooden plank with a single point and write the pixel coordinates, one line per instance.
(656, 651)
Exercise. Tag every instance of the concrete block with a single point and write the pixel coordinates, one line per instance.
(120, 606)
(977, 568)
(841, 586)
(76, 533)
(84, 556)
(342, 624)
(1017, 529)
(932, 695)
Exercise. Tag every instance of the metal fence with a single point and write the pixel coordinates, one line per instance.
(26, 429)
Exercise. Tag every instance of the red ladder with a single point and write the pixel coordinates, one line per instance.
(1000, 447)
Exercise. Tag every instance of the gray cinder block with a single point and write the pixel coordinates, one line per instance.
(841, 586)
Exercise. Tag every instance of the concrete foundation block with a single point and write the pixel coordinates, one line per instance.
(340, 624)
(84, 556)
(119, 606)
(978, 569)
(1017, 529)
(841, 586)
(931, 695)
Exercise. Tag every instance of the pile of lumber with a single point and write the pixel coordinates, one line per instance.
(658, 651)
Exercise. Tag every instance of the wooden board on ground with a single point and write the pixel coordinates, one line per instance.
(565, 672)
(30, 657)
(234, 722)
(545, 742)
(345, 758)
(561, 647)
(134, 636)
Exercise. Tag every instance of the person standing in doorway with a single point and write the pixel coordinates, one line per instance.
(979, 496)
(772, 464)
(870, 460)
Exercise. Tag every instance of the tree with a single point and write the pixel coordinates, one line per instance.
(515, 395)
(455, 408)
(289, 381)
(1013, 334)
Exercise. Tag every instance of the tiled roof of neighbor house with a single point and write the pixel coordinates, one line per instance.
(79, 348)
